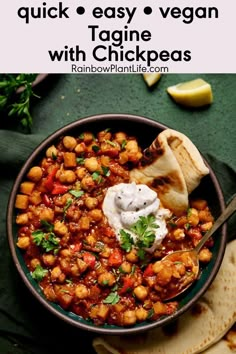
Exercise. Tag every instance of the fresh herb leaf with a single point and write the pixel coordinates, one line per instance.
(38, 237)
(144, 228)
(95, 148)
(110, 143)
(80, 160)
(47, 226)
(66, 207)
(76, 193)
(123, 144)
(106, 171)
(112, 298)
(96, 176)
(50, 243)
(17, 104)
(150, 314)
(39, 273)
(126, 240)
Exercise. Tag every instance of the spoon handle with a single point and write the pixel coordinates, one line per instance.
(229, 210)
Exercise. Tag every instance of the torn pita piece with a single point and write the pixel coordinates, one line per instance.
(196, 330)
(173, 167)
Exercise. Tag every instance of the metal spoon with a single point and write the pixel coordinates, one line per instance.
(192, 254)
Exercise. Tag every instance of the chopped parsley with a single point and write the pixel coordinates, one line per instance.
(95, 148)
(144, 229)
(39, 273)
(96, 176)
(126, 241)
(48, 241)
(80, 160)
(106, 171)
(76, 193)
(112, 298)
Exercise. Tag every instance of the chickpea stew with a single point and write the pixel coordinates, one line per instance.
(73, 252)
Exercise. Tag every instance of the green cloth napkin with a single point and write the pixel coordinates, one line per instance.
(26, 327)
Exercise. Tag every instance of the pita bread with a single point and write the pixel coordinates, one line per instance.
(196, 330)
(173, 167)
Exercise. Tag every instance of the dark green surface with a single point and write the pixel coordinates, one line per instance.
(26, 327)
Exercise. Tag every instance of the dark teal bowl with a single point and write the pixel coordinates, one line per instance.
(146, 130)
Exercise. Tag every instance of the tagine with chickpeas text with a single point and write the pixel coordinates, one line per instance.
(94, 240)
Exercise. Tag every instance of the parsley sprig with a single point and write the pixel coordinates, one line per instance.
(48, 241)
(15, 103)
(144, 229)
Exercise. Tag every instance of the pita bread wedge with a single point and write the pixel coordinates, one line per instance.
(173, 167)
(196, 330)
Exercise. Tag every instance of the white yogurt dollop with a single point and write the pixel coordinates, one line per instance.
(124, 203)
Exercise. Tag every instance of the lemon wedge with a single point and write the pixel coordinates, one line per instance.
(151, 78)
(195, 93)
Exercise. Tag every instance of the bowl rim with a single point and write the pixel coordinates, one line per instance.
(48, 305)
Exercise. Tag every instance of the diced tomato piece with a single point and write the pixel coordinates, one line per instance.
(50, 178)
(128, 284)
(59, 188)
(116, 258)
(109, 232)
(148, 271)
(89, 259)
(77, 247)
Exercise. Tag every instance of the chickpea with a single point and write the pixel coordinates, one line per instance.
(51, 151)
(23, 242)
(104, 135)
(205, 255)
(141, 314)
(193, 218)
(206, 226)
(35, 262)
(81, 172)
(22, 219)
(96, 215)
(91, 202)
(60, 228)
(106, 279)
(164, 276)
(67, 176)
(132, 146)
(157, 266)
(80, 148)
(105, 160)
(91, 164)
(199, 204)
(205, 216)
(87, 183)
(141, 292)
(81, 291)
(129, 317)
(35, 174)
(180, 267)
(132, 256)
(49, 259)
(87, 137)
(178, 234)
(120, 137)
(69, 142)
(126, 267)
(75, 270)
